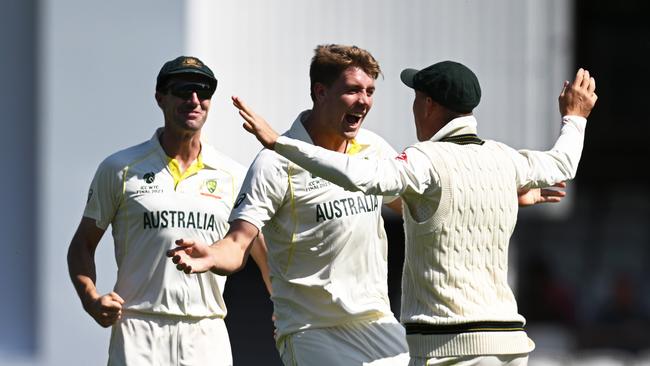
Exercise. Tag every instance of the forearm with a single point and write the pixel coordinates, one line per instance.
(560, 163)
(81, 260)
(81, 267)
(227, 257)
(229, 254)
(569, 145)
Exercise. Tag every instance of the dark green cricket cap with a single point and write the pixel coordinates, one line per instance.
(449, 83)
(185, 65)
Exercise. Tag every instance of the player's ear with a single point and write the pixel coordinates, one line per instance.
(159, 98)
(320, 91)
(430, 106)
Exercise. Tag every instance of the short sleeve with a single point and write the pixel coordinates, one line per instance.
(263, 190)
(104, 195)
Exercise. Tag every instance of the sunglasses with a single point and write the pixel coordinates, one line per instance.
(184, 90)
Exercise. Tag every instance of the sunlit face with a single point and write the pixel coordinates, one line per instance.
(346, 102)
(184, 114)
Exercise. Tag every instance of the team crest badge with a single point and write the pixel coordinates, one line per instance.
(191, 62)
(211, 185)
(209, 188)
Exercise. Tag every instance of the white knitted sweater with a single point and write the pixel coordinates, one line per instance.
(456, 262)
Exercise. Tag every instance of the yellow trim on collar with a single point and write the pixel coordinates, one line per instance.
(175, 169)
(354, 147)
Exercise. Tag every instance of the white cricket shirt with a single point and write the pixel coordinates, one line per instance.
(327, 246)
(140, 192)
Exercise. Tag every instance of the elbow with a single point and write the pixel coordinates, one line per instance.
(570, 164)
(572, 175)
(223, 271)
(567, 167)
(227, 271)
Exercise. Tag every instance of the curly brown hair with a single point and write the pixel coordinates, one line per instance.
(331, 60)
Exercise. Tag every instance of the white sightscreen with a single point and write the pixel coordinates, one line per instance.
(260, 50)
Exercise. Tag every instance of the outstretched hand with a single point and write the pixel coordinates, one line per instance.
(532, 196)
(255, 124)
(190, 256)
(578, 97)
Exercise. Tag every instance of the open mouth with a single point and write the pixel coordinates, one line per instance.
(353, 118)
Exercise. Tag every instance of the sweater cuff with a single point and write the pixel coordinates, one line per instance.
(579, 122)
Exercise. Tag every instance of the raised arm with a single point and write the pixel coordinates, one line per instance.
(224, 257)
(560, 163)
(105, 309)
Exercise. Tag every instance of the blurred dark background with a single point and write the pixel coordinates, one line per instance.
(583, 279)
(586, 276)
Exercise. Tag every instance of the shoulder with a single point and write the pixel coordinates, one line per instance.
(368, 137)
(500, 146)
(378, 143)
(420, 150)
(424, 146)
(126, 157)
(267, 177)
(269, 163)
(270, 157)
(222, 161)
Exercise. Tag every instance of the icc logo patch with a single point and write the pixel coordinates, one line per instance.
(149, 177)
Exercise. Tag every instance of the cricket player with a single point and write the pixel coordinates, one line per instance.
(460, 208)
(327, 246)
(173, 185)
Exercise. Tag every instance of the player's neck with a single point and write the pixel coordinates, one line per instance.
(323, 136)
(184, 147)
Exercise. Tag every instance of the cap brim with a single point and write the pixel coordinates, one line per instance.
(209, 78)
(407, 77)
(190, 71)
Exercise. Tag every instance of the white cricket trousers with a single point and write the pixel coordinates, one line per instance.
(374, 343)
(155, 340)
